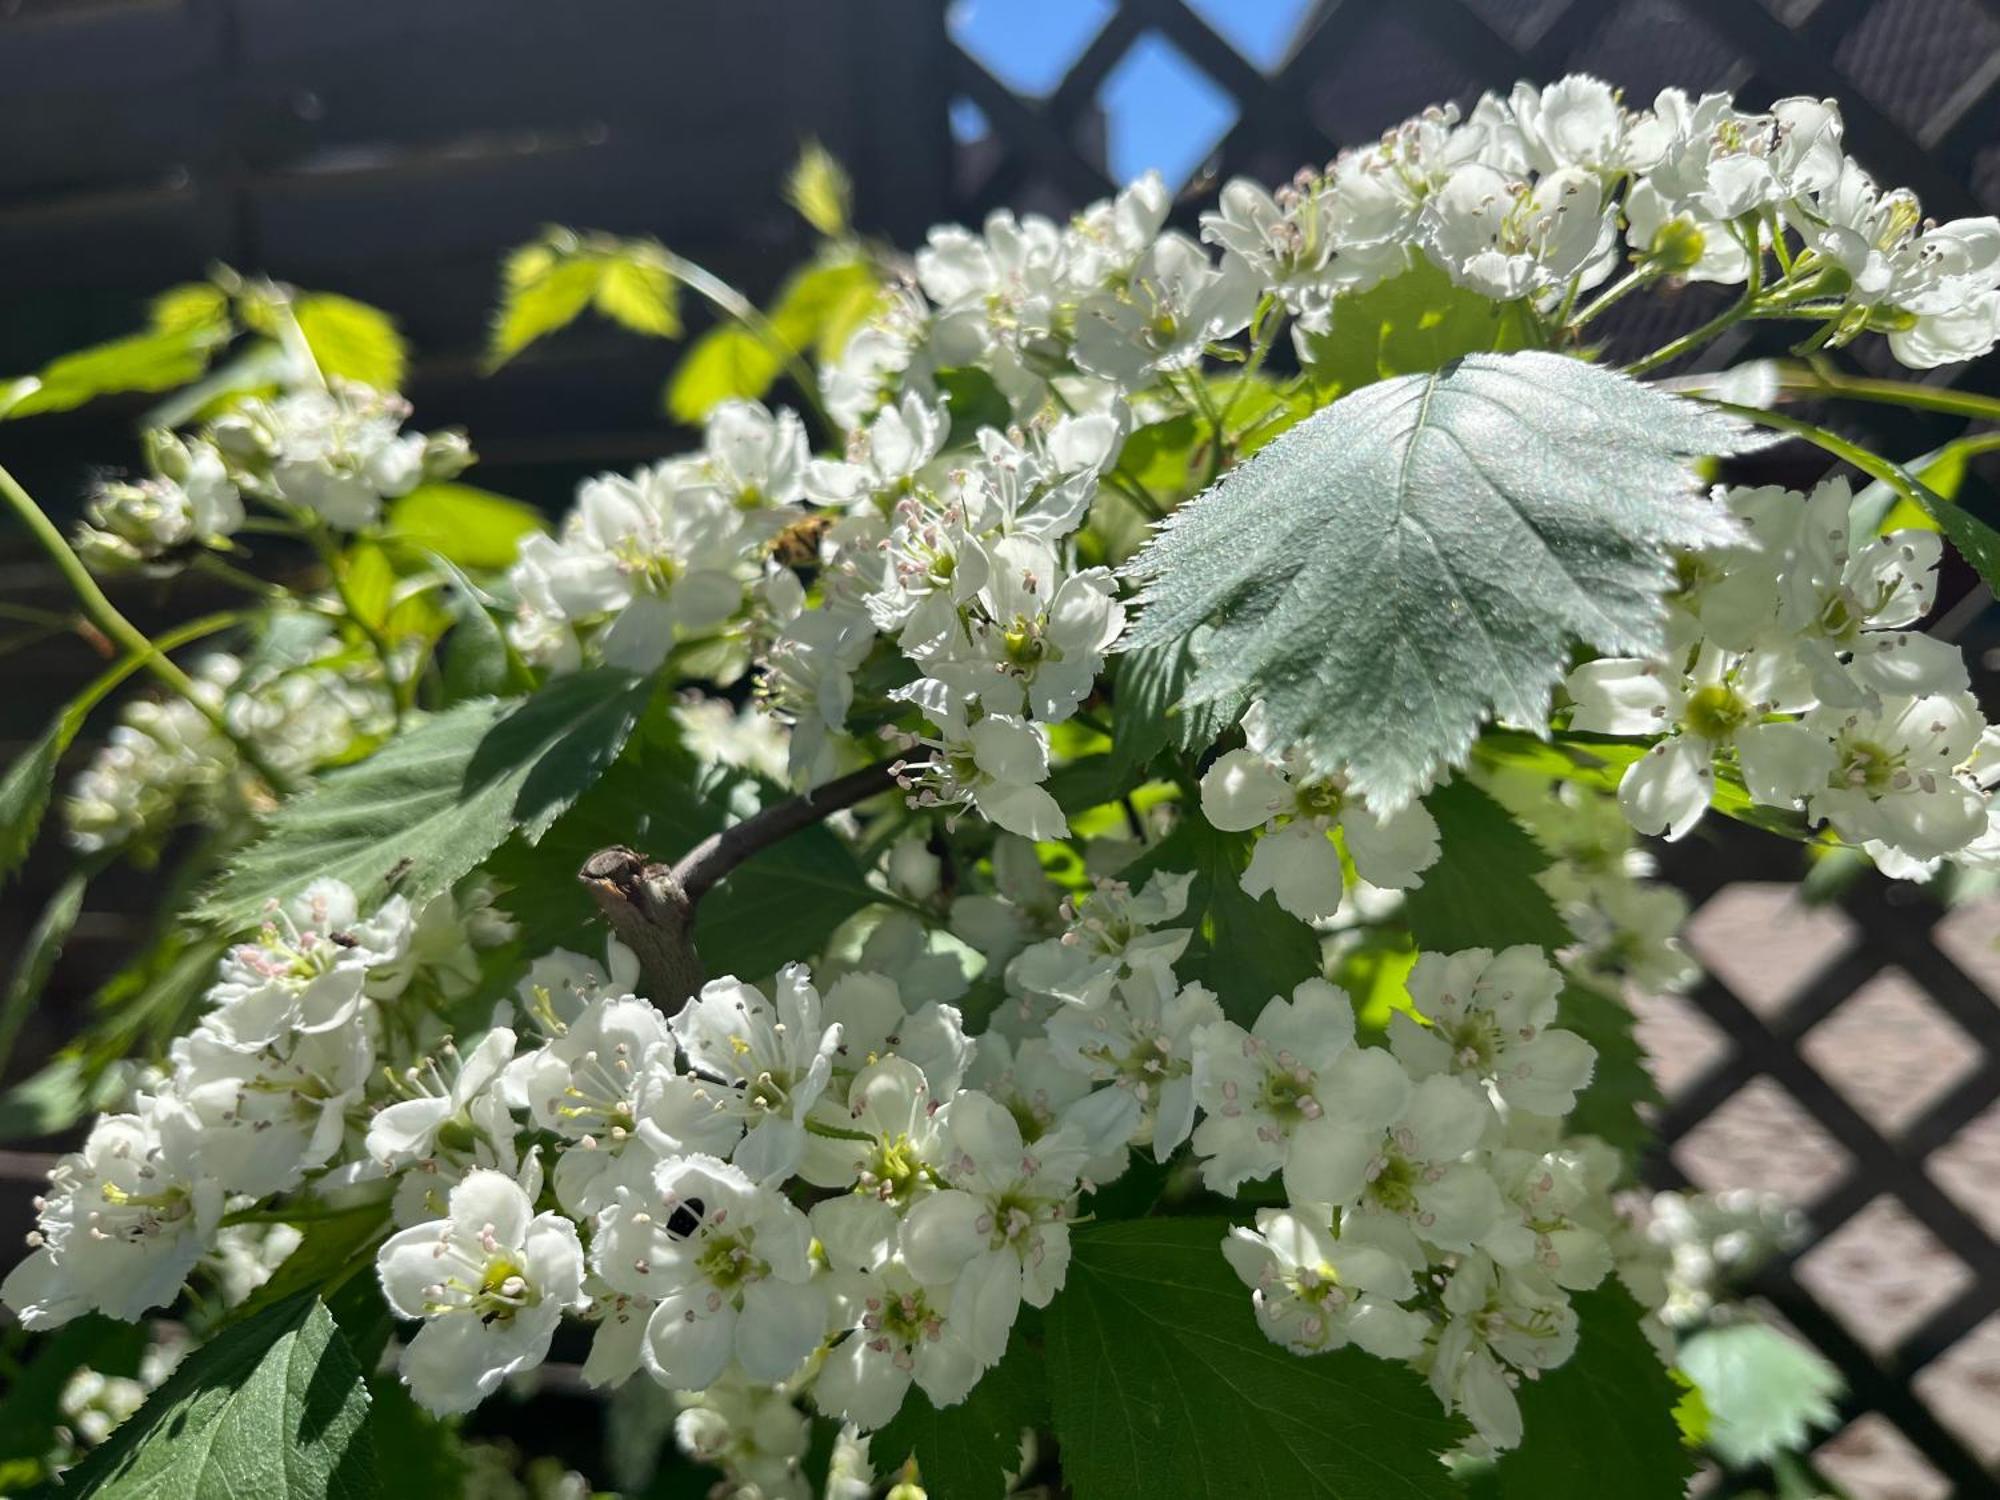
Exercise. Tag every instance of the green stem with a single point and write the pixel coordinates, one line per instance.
(705, 283)
(1811, 379)
(1266, 322)
(1873, 464)
(322, 542)
(1141, 497)
(128, 637)
(1639, 276)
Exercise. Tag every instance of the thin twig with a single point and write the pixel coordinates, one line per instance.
(651, 906)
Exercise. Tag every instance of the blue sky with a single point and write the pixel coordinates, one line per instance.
(1161, 111)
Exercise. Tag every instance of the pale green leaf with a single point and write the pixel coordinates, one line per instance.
(472, 527)
(638, 292)
(1603, 1423)
(160, 359)
(1424, 553)
(1163, 1385)
(352, 341)
(36, 957)
(727, 363)
(1766, 1393)
(542, 290)
(820, 189)
(274, 1408)
(820, 307)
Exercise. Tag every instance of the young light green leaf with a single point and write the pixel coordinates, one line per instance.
(1766, 1393)
(472, 527)
(638, 292)
(1164, 1386)
(437, 800)
(1421, 555)
(969, 1449)
(545, 286)
(189, 324)
(1603, 1423)
(822, 305)
(1482, 892)
(352, 341)
(728, 363)
(274, 1408)
(820, 189)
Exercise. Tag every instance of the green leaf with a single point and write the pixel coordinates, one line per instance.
(188, 325)
(727, 363)
(819, 307)
(25, 789)
(556, 745)
(1410, 325)
(544, 286)
(819, 188)
(1245, 948)
(638, 292)
(1602, 1424)
(1766, 1393)
(33, 1406)
(1608, 1107)
(472, 527)
(275, 1408)
(1148, 713)
(37, 956)
(352, 341)
(1482, 891)
(1160, 457)
(475, 663)
(969, 1449)
(976, 402)
(1163, 1385)
(435, 801)
(1422, 554)
(423, 1454)
(332, 1250)
(1977, 543)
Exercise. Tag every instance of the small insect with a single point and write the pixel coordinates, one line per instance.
(797, 546)
(686, 1218)
(397, 871)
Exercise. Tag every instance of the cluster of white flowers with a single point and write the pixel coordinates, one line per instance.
(1791, 660)
(845, 1195)
(164, 763)
(333, 454)
(260, 1094)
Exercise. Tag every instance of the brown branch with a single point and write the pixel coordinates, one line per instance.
(651, 906)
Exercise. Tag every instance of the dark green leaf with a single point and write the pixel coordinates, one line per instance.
(1410, 325)
(24, 790)
(1766, 1393)
(559, 742)
(969, 1449)
(274, 1408)
(422, 1455)
(37, 957)
(976, 402)
(1482, 892)
(1163, 1385)
(1602, 1424)
(1245, 949)
(1423, 553)
(33, 1407)
(1609, 1108)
